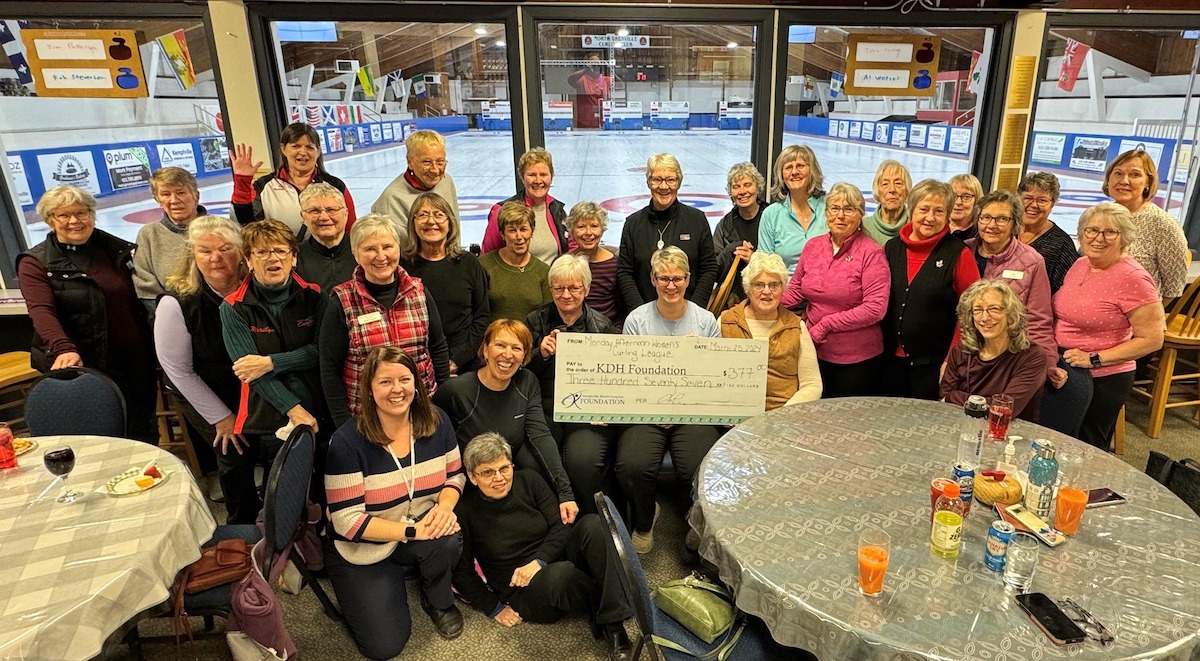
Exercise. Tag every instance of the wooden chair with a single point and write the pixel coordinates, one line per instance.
(1182, 334)
(173, 433)
(16, 376)
(719, 301)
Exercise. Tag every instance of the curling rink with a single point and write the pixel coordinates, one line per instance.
(604, 166)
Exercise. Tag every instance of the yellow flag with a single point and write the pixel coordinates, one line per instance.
(367, 81)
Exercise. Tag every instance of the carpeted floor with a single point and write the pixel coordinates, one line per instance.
(317, 637)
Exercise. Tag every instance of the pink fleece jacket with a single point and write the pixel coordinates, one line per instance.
(1024, 269)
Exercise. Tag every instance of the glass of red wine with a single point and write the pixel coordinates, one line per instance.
(60, 461)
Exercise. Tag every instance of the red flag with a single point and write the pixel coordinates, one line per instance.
(1072, 61)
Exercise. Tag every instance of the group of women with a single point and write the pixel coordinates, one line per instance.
(409, 345)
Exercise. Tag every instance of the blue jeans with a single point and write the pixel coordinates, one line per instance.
(1063, 408)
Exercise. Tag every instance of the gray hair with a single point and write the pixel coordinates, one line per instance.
(1117, 215)
(185, 279)
(669, 257)
(64, 196)
(321, 189)
(764, 263)
(664, 162)
(371, 224)
(885, 168)
(570, 267)
(1014, 314)
(745, 170)
(485, 448)
(587, 210)
(1043, 181)
(931, 188)
(816, 178)
(1015, 208)
(850, 194)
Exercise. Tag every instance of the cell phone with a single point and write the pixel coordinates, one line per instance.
(1053, 622)
(1103, 497)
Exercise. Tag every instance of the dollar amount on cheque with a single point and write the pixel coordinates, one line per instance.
(651, 379)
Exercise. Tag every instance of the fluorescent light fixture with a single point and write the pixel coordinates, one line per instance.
(731, 45)
(480, 30)
(500, 43)
(623, 32)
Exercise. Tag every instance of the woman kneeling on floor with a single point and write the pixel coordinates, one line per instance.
(538, 569)
(393, 478)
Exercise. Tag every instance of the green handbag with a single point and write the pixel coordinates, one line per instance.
(703, 608)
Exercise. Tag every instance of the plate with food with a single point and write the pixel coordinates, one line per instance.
(135, 481)
(23, 445)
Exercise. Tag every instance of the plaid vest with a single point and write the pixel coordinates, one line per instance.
(405, 325)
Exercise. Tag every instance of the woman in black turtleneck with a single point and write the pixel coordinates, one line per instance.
(665, 222)
(78, 287)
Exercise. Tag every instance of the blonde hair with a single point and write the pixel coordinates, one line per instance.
(972, 184)
(371, 224)
(848, 193)
(663, 162)
(669, 257)
(1116, 214)
(764, 263)
(186, 279)
(1014, 314)
(64, 196)
(534, 156)
(1147, 164)
(513, 213)
(267, 232)
(816, 179)
(927, 188)
(173, 176)
(586, 210)
(570, 267)
(423, 140)
(412, 247)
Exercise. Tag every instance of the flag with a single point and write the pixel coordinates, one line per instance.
(836, 80)
(979, 70)
(364, 78)
(175, 47)
(6, 34)
(328, 117)
(24, 75)
(418, 88)
(1072, 62)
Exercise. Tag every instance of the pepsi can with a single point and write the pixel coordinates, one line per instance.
(997, 545)
(964, 474)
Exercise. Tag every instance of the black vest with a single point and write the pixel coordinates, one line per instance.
(210, 360)
(921, 316)
(295, 328)
(78, 300)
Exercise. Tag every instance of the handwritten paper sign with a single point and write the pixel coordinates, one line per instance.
(892, 64)
(650, 379)
(85, 63)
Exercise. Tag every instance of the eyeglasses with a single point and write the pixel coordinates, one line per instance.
(436, 215)
(1092, 627)
(998, 221)
(281, 253)
(563, 289)
(317, 211)
(1036, 201)
(837, 211)
(758, 287)
(664, 181)
(1093, 232)
(429, 163)
(489, 474)
(671, 280)
(68, 215)
(993, 311)
(964, 197)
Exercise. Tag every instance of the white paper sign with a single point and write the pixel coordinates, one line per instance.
(179, 155)
(1048, 148)
(884, 52)
(666, 380)
(17, 169)
(884, 78)
(76, 168)
(960, 140)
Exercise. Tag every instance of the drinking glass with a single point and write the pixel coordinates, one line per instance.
(1071, 498)
(1000, 414)
(1022, 558)
(873, 552)
(8, 454)
(60, 461)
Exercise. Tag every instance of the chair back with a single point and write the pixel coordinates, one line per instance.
(719, 300)
(632, 575)
(287, 490)
(75, 400)
(1181, 477)
(1186, 312)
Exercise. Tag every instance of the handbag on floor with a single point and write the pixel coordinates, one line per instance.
(703, 608)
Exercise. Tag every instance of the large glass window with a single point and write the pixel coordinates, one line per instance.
(1108, 91)
(930, 126)
(613, 94)
(102, 103)
(366, 85)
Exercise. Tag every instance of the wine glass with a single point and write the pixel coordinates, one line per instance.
(60, 461)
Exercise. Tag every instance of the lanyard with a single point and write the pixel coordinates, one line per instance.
(409, 476)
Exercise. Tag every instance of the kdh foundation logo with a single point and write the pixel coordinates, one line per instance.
(70, 171)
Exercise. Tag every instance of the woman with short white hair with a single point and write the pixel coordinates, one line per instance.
(792, 373)
(736, 234)
(587, 223)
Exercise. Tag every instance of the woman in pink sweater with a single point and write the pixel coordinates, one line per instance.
(843, 279)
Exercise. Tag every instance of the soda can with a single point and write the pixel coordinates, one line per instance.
(997, 545)
(964, 474)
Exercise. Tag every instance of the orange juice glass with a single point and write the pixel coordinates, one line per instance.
(1068, 509)
(873, 551)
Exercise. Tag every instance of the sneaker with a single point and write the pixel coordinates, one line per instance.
(643, 542)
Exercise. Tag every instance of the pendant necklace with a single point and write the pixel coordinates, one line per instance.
(662, 232)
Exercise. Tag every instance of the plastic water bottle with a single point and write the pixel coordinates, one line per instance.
(1043, 475)
(972, 432)
(945, 539)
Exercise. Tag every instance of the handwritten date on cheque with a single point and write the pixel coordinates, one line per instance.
(661, 380)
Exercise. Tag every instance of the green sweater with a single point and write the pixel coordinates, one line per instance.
(512, 292)
(874, 227)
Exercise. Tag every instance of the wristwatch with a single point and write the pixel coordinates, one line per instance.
(1095, 360)
(410, 532)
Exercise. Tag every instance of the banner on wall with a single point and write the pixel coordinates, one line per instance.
(214, 153)
(17, 169)
(178, 154)
(85, 63)
(74, 168)
(175, 47)
(128, 167)
(1090, 153)
(1048, 148)
(1072, 61)
(1154, 149)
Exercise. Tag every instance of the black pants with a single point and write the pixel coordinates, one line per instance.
(588, 454)
(903, 379)
(1109, 394)
(374, 598)
(584, 579)
(640, 452)
(200, 432)
(138, 382)
(849, 379)
(236, 473)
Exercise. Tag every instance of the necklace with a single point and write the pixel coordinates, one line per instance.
(662, 232)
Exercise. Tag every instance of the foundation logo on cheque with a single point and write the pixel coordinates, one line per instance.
(70, 172)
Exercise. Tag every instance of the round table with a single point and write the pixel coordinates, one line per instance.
(75, 572)
(781, 499)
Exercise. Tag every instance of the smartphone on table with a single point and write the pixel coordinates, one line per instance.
(1104, 497)
(1053, 622)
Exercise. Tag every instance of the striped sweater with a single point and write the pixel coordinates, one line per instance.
(362, 481)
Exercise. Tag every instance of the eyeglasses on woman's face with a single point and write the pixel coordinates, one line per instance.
(489, 474)
(1093, 232)
(265, 253)
(759, 286)
(991, 311)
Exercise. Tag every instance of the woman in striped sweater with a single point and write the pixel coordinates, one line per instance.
(392, 479)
